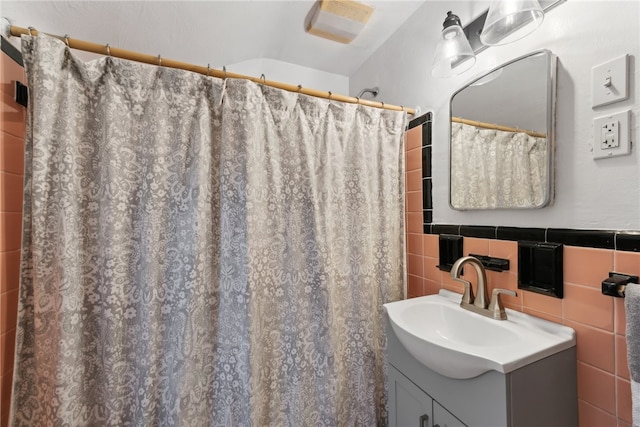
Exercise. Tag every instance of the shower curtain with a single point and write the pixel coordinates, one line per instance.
(199, 252)
(496, 169)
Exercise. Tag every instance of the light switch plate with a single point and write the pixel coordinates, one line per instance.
(611, 135)
(610, 82)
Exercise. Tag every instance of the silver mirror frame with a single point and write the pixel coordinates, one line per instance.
(551, 70)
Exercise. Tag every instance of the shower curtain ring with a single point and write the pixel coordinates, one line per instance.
(66, 39)
(31, 29)
(402, 108)
(208, 69)
(299, 88)
(381, 102)
(224, 68)
(329, 97)
(108, 49)
(159, 61)
(263, 78)
(357, 100)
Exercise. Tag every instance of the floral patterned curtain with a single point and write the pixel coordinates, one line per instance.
(202, 253)
(495, 169)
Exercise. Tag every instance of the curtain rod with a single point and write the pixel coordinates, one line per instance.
(497, 127)
(170, 63)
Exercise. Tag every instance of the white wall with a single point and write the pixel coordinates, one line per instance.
(293, 74)
(603, 194)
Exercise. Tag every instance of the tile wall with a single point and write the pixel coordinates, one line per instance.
(12, 133)
(604, 397)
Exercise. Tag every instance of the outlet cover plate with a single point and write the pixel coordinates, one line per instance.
(603, 148)
(610, 81)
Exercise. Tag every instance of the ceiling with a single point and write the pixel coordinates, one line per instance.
(212, 32)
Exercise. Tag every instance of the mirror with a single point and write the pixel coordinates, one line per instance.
(501, 144)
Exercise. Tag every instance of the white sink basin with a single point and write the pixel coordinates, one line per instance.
(458, 343)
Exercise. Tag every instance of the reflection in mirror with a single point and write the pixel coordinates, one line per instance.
(501, 142)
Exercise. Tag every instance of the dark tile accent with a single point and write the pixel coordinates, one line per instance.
(628, 241)
(445, 229)
(21, 94)
(450, 250)
(426, 229)
(517, 233)
(11, 51)
(426, 133)
(426, 194)
(481, 231)
(604, 239)
(493, 263)
(540, 268)
(419, 120)
(427, 217)
(587, 238)
(426, 162)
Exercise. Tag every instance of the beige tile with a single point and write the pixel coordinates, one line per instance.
(414, 286)
(543, 303)
(619, 316)
(10, 72)
(626, 262)
(8, 310)
(11, 154)
(431, 244)
(8, 341)
(592, 416)
(622, 367)
(623, 400)
(9, 270)
(597, 387)
(414, 160)
(594, 346)
(414, 222)
(587, 266)
(414, 243)
(431, 270)
(476, 246)
(414, 180)
(414, 201)
(10, 192)
(414, 265)
(588, 306)
(543, 315)
(414, 138)
(10, 231)
(7, 380)
(13, 117)
(431, 287)
(507, 250)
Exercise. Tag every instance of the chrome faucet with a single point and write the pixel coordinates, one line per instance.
(478, 304)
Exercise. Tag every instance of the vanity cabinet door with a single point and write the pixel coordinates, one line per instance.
(444, 418)
(409, 406)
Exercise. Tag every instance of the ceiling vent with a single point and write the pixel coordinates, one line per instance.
(338, 20)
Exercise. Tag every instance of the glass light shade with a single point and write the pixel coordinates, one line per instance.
(510, 20)
(453, 53)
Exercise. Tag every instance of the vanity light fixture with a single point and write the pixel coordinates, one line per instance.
(453, 52)
(510, 20)
(504, 22)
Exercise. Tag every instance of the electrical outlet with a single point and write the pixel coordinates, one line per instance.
(611, 135)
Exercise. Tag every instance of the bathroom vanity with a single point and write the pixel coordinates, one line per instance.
(535, 393)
